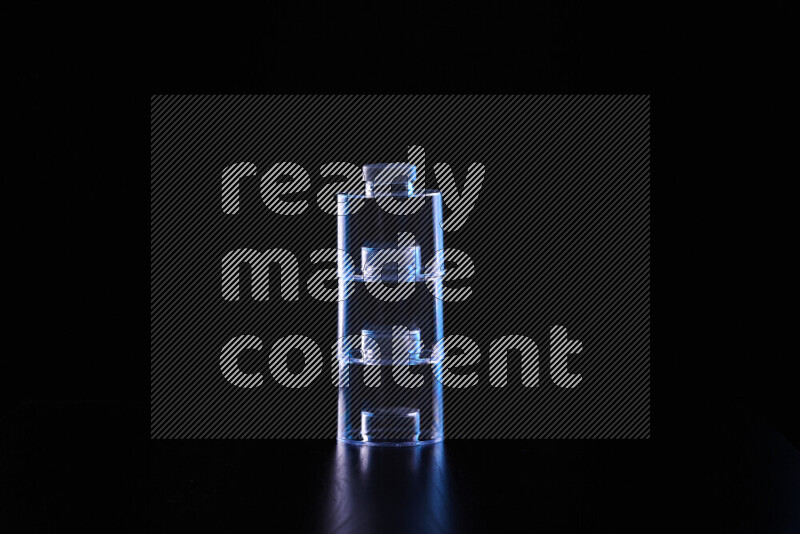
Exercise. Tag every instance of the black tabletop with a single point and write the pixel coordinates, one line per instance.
(80, 464)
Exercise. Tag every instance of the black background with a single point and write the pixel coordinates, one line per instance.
(75, 447)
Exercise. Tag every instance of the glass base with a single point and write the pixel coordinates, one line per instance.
(390, 443)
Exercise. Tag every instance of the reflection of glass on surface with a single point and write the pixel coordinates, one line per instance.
(379, 489)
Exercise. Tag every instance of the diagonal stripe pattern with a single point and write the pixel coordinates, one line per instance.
(546, 197)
